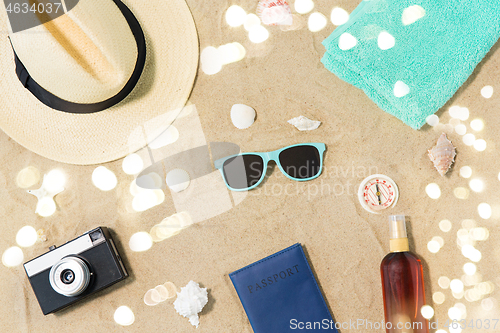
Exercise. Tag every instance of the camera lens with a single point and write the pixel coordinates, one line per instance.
(70, 276)
(67, 276)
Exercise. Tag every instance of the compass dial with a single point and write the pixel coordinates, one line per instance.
(378, 192)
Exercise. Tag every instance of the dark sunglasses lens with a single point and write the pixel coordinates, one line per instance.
(301, 162)
(243, 171)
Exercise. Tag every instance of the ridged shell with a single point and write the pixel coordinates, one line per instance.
(190, 301)
(189, 306)
(443, 154)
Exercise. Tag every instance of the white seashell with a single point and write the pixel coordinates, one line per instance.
(443, 155)
(190, 301)
(242, 116)
(304, 124)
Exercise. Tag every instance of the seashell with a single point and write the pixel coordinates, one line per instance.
(242, 116)
(190, 301)
(304, 124)
(275, 12)
(443, 154)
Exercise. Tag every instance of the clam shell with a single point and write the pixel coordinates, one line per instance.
(242, 116)
(443, 154)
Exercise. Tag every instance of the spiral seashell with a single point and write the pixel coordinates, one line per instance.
(443, 154)
(190, 301)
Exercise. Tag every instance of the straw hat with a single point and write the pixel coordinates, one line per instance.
(91, 58)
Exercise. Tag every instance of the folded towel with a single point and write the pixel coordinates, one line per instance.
(411, 56)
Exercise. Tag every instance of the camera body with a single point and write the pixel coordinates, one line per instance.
(75, 270)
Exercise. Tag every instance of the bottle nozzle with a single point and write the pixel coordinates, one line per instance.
(397, 227)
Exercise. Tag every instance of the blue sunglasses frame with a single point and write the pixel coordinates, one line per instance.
(272, 156)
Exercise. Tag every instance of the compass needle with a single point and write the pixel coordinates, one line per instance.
(378, 195)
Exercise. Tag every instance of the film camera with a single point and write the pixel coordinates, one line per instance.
(75, 270)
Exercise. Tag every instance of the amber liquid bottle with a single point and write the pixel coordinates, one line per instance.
(402, 283)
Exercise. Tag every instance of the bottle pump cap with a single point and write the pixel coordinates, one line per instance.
(397, 234)
(397, 226)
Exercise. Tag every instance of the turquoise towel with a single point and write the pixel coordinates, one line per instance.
(410, 57)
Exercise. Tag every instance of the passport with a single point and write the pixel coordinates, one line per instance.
(280, 294)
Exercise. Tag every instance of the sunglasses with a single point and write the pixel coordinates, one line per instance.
(246, 171)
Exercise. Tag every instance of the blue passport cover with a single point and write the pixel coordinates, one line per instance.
(280, 294)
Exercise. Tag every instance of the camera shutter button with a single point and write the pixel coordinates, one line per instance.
(53, 247)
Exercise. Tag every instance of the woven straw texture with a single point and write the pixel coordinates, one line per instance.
(165, 85)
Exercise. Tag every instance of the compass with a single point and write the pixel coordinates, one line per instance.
(377, 193)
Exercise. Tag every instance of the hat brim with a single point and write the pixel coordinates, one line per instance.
(162, 91)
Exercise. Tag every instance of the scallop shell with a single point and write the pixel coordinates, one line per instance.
(275, 12)
(304, 124)
(190, 301)
(443, 154)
